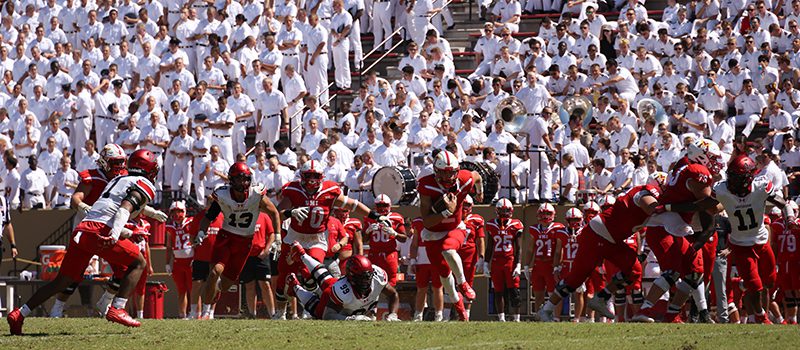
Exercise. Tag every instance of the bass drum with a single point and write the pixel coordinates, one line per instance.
(396, 182)
(488, 176)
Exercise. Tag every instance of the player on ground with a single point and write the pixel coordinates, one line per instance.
(542, 268)
(474, 247)
(179, 254)
(240, 204)
(564, 256)
(309, 202)
(383, 239)
(425, 276)
(99, 234)
(353, 228)
(784, 242)
(352, 297)
(604, 238)
(690, 180)
(504, 256)
(744, 197)
(441, 197)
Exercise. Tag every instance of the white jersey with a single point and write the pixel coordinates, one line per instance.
(352, 305)
(116, 190)
(746, 213)
(240, 218)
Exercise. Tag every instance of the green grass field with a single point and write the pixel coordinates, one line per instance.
(88, 334)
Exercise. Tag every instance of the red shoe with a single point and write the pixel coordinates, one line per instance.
(461, 310)
(120, 316)
(15, 320)
(763, 319)
(296, 252)
(291, 283)
(467, 291)
(791, 322)
(670, 317)
(647, 315)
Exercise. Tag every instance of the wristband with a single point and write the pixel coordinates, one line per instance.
(373, 215)
(13, 245)
(287, 213)
(446, 213)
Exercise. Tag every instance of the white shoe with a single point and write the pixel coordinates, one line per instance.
(57, 311)
(417, 317)
(598, 304)
(546, 316)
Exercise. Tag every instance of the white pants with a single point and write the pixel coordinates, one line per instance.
(225, 146)
(540, 189)
(182, 175)
(341, 63)
(295, 129)
(317, 78)
(61, 200)
(437, 20)
(238, 136)
(749, 121)
(355, 44)
(270, 130)
(199, 166)
(484, 68)
(292, 59)
(382, 24)
(104, 131)
(169, 163)
(419, 26)
(78, 134)
(32, 200)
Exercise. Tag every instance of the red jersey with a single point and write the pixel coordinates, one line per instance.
(319, 205)
(351, 226)
(569, 243)
(624, 218)
(263, 230)
(97, 180)
(336, 232)
(503, 236)
(181, 239)
(784, 242)
(429, 187)
(380, 241)
(676, 190)
(543, 239)
(203, 251)
(475, 224)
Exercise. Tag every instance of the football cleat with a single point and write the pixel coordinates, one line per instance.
(644, 315)
(704, 317)
(762, 319)
(467, 291)
(600, 305)
(461, 310)
(15, 320)
(297, 252)
(546, 315)
(121, 316)
(57, 311)
(291, 283)
(672, 317)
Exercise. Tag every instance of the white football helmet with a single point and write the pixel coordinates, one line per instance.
(445, 167)
(177, 205)
(311, 175)
(112, 160)
(504, 208)
(574, 218)
(546, 213)
(706, 152)
(383, 204)
(657, 179)
(606, 201)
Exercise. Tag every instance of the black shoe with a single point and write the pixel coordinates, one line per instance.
(451, 27)
(704, 317)
(534, 201)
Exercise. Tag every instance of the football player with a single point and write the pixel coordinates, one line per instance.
(689, 180)
(744, 198)
(180, 253)
(604, 238)
(784, 242)
(504, 259)
(541, 264)
(425, 276)
(240, 203)
(564, 255)
(99, 234)
(383, 239)
(441, 197)
(352, 297)
(309, 202)
(474, 247)
(352, 227)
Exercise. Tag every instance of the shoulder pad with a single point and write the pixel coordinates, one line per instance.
(259, 188)
(380, 275)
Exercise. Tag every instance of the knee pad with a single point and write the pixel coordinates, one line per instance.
(694, 279)
(671, 277)
(620, 297)
(280, 295)
(514, 297)
(637, 297)
(563, 290)
(620, 280)
(71, 289)
(114, 283)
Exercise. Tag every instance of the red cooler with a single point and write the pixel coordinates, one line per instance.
(154, 300)
(157, 232)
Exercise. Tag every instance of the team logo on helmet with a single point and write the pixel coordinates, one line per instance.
(706, 152)
(143, 163)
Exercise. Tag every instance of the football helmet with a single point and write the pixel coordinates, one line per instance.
(240, 177)
(775, 213)
(358, 270)
(546, 213)
(741, 172)
(143, 162)
(606, 201)
(590, 210)
(504, 208)
(706, 152)
(574, 218)
(341, 213)
(466, 207)
(445, 168)
(657, 179)
(383, 204)
(311, 176)
(177, 211)
(112, 160)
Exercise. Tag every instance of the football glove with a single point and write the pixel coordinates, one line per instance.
(300, 214)
(517, 270)
(154, 213)
(201, 236)
(486, 269)
(168, 269)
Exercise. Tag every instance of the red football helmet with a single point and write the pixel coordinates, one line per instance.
(143, 162)
(504, 208)
(359, 274)
(383, 204)
(466, 208)
(574, 218)
(311, 176)
(240, 177)
(341, 213)
(547, 214)
(445, 168)
(112, 161)
(741, 172)
(590, 210)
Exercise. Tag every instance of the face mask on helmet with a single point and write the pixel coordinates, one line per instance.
(177, 215)
(574, 223)
(115, 167)
(383, 209)
(590, 213)
(546, 216)
(241, 183)
(446, 178)
(362, 283)
(341, 214)
(505, 213)
(739, 184)
(311, 181)
(466, 208)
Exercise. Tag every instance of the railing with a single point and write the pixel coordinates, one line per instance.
(60, 236)
(375, 48)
